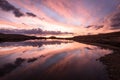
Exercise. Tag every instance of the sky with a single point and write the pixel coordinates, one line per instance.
(80, 17)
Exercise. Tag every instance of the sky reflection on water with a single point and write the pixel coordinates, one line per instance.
(55, 60)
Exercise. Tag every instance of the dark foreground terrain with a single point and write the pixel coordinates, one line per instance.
(109, 41)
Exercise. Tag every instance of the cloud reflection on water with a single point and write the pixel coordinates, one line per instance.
(65, 60)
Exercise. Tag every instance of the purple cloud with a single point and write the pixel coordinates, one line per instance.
(115, 21)
(6, 6)
(32, 31)
(30, 14)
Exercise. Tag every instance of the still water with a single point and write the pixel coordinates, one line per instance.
(51, 60)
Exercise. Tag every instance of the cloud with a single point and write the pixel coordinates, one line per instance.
(95, 27)
(6, 6)
(32, 31)
(63, 15)
(114, 19)
(30, 14)
(17, 13)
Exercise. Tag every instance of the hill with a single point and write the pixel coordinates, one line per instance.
(14, 37)
(112, 39)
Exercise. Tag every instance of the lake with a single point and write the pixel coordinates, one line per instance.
(51, 60)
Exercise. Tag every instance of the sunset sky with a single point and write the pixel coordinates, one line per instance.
(74, 16)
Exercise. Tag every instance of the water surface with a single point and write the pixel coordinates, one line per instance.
(51, 60)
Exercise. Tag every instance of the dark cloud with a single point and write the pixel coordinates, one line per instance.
(32, 31)
(115, 21)
(30, 14)
(96, 27)
(99, 27)
(89, 26)
(6, 6)
(18, 13)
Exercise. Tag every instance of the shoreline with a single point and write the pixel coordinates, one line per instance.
(112, 61)
(108, 41)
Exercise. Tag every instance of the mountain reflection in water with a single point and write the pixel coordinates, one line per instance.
(51, 60)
